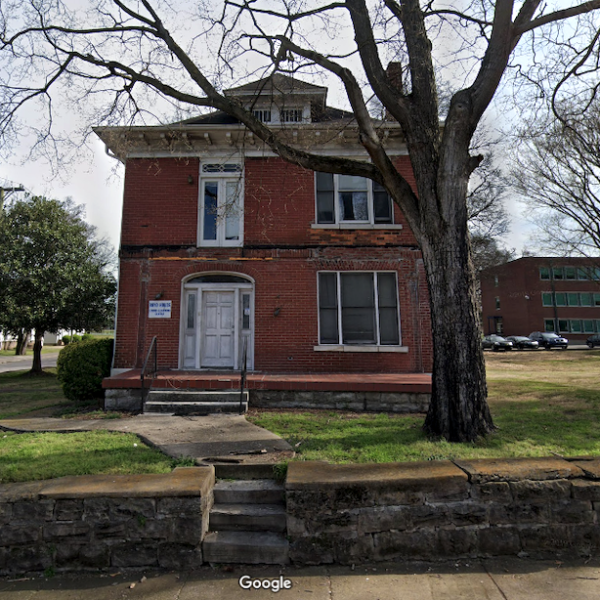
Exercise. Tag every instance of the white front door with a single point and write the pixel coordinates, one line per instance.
(218, 331)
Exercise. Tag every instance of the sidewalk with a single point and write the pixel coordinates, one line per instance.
(498, 579)
(211, 438)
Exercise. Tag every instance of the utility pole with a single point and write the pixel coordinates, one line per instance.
(3, 191)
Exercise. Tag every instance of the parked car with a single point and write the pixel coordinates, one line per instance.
(549, 340)
(522, 342)
(593, 340)
(496, 342)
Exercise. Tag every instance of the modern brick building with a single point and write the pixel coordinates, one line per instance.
(542, 294)
(228, 251)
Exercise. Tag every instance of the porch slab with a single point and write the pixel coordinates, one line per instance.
(403, 383)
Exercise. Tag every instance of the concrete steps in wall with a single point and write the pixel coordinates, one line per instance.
(247, 524)
(195, 402)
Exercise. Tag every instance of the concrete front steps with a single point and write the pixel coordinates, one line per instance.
(247, 524)
(194, 402)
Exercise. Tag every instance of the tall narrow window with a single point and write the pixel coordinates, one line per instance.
(328, 308)
(353, 201)
(358, 308)
(325, 198)
(221, 205)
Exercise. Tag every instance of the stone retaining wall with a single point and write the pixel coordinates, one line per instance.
(102, 521)
(352, 513)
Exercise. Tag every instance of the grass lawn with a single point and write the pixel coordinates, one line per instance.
(542, 402)
(25, 396)
(33, 456)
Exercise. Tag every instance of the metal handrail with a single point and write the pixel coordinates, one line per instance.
(243, 378)
(153, 346)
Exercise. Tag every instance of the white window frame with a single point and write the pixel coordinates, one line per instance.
(222, 178)
(339, 224)
(262, 113)
(340, 346)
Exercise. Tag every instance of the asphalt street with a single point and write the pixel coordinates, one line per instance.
(21, 363)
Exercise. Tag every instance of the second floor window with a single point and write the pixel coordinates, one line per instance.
(263, 115)
(350, 199)
(221, 207)
(290, 115)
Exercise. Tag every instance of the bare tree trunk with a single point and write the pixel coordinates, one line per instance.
(458, 410)
(22, 341)
(36, 368)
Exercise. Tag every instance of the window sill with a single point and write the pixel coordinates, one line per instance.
(356, 226)
(357, 348)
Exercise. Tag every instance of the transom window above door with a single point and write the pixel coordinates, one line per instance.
(351, 200)
(221, 210)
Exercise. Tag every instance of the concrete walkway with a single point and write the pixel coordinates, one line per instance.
(504, 579)
(212, 438)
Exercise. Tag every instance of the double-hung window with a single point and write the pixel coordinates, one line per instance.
(347, 199)
(221, 205)
(358, 308)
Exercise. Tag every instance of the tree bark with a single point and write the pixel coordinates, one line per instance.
(22, 341)
(458, 410)
(36, 367)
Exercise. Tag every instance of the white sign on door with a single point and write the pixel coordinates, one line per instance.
(159, 309)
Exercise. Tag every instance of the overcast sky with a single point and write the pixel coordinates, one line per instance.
(96, 181)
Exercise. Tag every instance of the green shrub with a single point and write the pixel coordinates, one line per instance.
(87, 336)
(67, 339)
(81, 368)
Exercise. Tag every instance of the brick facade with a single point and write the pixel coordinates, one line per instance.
(282, 253)
(516, 297)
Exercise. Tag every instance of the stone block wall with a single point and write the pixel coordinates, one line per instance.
(98, 522)
(394, 402)
(439, 510)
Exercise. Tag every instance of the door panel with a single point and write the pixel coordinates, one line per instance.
(218, 330)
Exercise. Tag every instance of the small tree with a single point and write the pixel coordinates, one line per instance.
(53, 273)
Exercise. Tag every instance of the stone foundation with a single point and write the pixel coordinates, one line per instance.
(392, 402)
(125, 399)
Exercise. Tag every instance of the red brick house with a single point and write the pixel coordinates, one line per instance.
(225, 247)
(542, 294)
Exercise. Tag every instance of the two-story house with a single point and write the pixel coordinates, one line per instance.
(230, 255)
